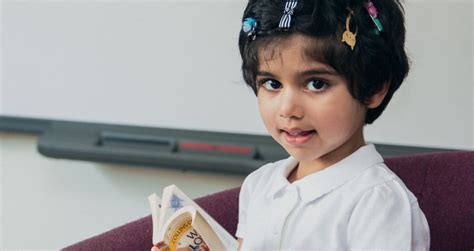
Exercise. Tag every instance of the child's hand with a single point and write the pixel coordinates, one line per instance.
(160, 247)
(163, 247)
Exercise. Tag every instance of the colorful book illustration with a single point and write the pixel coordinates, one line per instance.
(180, 224)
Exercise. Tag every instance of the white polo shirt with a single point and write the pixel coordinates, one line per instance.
(355, 204)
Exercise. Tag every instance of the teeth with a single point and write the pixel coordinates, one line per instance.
(298, 132)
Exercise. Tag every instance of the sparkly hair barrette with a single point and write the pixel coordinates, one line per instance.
(374, 15)
(285, 20)
(249, 26)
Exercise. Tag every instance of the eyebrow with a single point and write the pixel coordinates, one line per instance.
(303, 73)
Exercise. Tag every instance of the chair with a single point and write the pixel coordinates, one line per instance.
(443, 183)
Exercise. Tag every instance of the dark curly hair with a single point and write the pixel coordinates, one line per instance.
(377, 59)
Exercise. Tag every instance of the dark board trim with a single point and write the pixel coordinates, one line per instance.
(24, 125)
(163, 147)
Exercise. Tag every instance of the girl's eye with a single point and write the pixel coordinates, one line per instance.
(271, 84)
(316, 85)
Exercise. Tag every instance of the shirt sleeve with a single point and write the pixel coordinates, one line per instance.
(384, 218)
(244, 198)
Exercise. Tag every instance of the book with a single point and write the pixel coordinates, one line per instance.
(181, 224)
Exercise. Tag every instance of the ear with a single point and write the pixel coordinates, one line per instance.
(377, 98)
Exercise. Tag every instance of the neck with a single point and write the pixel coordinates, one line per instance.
(307, 167)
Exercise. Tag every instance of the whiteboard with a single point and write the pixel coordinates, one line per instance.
(176, 64)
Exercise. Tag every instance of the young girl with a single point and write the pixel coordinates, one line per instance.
(321, 70)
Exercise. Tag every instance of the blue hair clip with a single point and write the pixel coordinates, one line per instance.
(249, 26)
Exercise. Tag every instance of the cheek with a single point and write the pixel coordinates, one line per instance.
(342, 115)
(266, 111)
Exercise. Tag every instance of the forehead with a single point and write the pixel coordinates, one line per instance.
(294, 51)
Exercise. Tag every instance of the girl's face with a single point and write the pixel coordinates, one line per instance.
(306, 106)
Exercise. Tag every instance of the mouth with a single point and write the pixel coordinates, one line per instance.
(297, 136)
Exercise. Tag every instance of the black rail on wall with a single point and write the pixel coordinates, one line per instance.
(163, 147)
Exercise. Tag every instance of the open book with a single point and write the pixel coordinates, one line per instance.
(180, 224)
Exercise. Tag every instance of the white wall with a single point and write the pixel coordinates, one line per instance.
(176, 64)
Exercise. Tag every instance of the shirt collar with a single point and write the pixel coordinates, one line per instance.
(322, 182)
(279, 178)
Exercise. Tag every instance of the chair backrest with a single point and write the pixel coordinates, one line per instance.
(444, 186)
(442, 182)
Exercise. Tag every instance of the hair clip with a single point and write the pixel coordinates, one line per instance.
(249, 26)
(373, 14)
(348, 37)
(285, 20)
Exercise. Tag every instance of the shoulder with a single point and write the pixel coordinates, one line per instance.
(380, 185)
(385, 213)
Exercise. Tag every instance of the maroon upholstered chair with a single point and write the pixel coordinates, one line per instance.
(442, 182)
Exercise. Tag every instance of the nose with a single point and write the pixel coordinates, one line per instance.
(291, 104)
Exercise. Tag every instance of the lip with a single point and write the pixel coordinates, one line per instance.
(297, 136)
